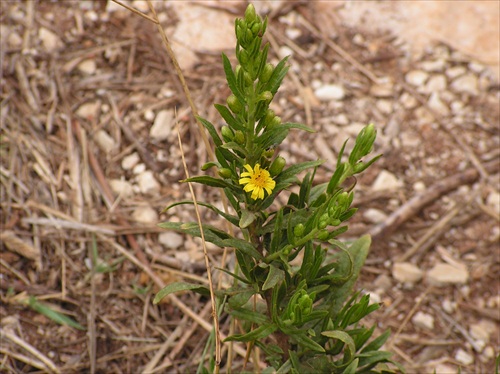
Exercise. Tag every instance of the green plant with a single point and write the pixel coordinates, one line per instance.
(304, 318)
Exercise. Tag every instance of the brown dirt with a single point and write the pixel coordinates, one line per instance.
(56, 200)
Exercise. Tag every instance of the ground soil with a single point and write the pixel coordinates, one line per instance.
(81, 88)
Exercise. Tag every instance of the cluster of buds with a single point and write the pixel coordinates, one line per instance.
(338, 210)
(299, 306)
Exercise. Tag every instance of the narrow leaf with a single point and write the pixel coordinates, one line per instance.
(274, 277)
(259, 333)
(180, 286)
(247, 218)
(55, 316)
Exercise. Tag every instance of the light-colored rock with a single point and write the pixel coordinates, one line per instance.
(330, 92)
(443, 369)
(463, 357)
(482, 330)
(423, 320)
(467, 84)
(446, 274)
(382, 283)
(148, 184)
(455, 71)
(385, 89)
(87, 67)
(200, 28)
(375, 215)
(405, 272)
(145, 214)
(139, 168)
(493, 200)
(385, 106)
(14, 40)
(50, 40)
(449, 306)
(170, 239)
(487, 354)
(416, 77)
(162, 127)
(149, 115)
(386, 181)
(88, 110)
(434, 65)
(121, 187)
(105, 141)
(408, 101)
(130, 161)
(419, 186)
(435, 83)
(340, 119)
(436, 104)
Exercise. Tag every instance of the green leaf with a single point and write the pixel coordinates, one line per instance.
(261, 332)
(228, 117)
(211, 130)
(258, 318)
(236, 147)
(358, 251)
(274, 277)
(334, 181)
(243, 246)
(351, 368)
(247, 218)
(378, 342)
(211, 234)
(372, 358)
(209, 181)
(180, 286)
(229, 217)
(346, 339)
(308, 343)
(231, 78)
(55, 316)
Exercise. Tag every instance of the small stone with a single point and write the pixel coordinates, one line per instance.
(467, 83)
(445, 274)
(170, 239)
(162, 126)
(382, 283)
(293, 33)
(340, 119)
(105, 141)
(285, 51)
(449, 306)
(382, 90)
(130, 161)
(436, 104)
(408, 101)
(145, 214)
(121, 187)
(416, 77)
(148, 184)
(50, 41)
(139, 169)
(435, 83)
(385, 106)
(386, 181)
(14, 40)
(89, 110)
(405, 272)
(463, 357)
(482, 330)
(443, 369)
(149, 115)
(455, 71)
(419, 186)
(87, 67)
(433, 66)
(330, 92)
(488, 354)
(375, 215)
(493, 200)
(423, 320)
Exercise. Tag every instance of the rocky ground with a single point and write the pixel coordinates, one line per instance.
(89, 158)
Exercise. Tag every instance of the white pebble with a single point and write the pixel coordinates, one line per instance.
(405, 272)
(121, 187)
(105, 141)
(386, 181)
(145, 214)
(162, 126)
(330, 92)
(463, 357)
(130, 161)
(445, 274)
(148, 183)
(170, 239)
(423, 320)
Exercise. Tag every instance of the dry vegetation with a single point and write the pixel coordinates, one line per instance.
(81, 88)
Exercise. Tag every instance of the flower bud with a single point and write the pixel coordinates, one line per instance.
(234, 104)
(250, 14)
(239, 137)
(266, 73)
(323, 221)
(323, 235)
(298, 230)
(224, 173)
(227, 134)
(256, 28)
(276, 121)
(243, 57)
(265, 96)
(277, 166)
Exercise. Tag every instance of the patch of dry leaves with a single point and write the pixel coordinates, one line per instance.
(84, 181)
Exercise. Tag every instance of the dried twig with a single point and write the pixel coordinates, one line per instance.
(418, 202)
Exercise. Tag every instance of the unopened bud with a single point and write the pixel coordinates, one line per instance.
(277, 166)
(239, 137)
(250, 14)
(227, 134)
(224, 173)
(266, 73)
(234, 104)
(298, 230)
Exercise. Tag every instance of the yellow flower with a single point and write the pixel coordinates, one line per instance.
(257, 180)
